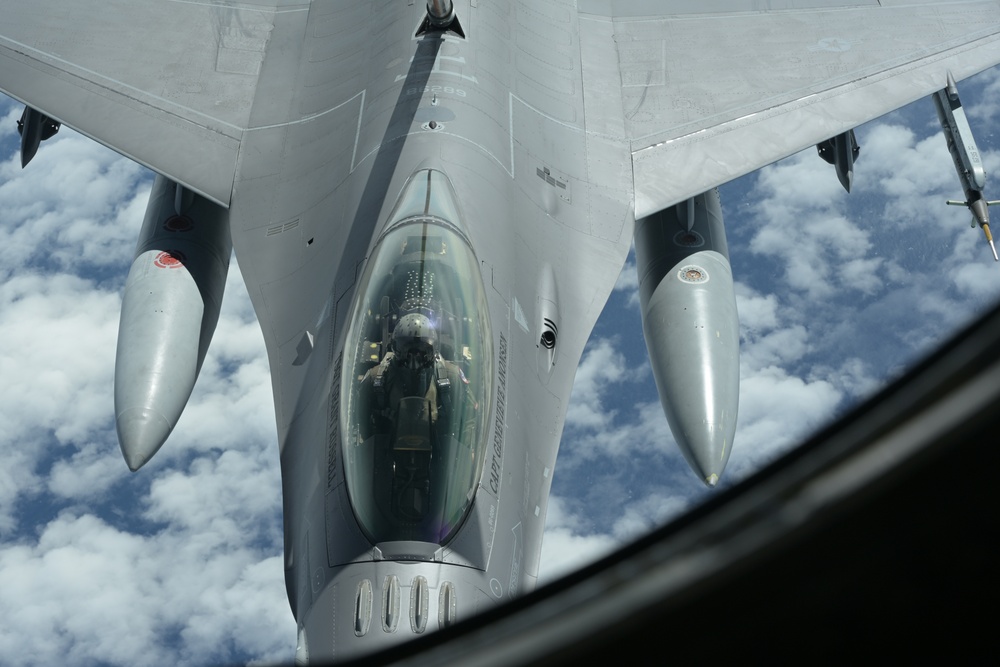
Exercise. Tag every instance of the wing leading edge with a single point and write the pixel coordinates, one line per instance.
(713, 92)
(709, 92)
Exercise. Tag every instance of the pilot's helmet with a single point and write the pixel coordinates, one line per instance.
(413, 341)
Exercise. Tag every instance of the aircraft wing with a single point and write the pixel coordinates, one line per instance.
(167, 83)
(714, 89)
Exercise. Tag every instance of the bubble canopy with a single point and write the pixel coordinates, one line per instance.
(418, 390)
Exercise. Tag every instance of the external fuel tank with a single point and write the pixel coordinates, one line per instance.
(691, 327)
(169, 311)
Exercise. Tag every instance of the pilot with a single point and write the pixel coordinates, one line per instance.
(413, 368)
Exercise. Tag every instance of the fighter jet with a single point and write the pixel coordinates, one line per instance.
(431, 203)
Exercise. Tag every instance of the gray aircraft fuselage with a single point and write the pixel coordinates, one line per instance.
(427, 245)
(548, 248)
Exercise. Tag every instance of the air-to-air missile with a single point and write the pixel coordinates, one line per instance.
(691, 327)
(169, 311)
(965, 154)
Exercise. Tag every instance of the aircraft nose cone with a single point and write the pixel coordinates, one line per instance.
(705, 446)
(141, 432)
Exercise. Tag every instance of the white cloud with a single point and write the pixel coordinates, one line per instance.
(564, 551)
(758, 312)
(905, 170)
(77, 205)
(853, 377)
(862, 275)
(784, 345)
(89, 473)
(628, 279)
(648, 513)
(90, 593)
(776, 411)
(181, 562)
(57, 362)
(601, 367)
(977, 281)
(570, 541)
(808, 236)
(567, 545)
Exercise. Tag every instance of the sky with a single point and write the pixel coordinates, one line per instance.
(180, 563)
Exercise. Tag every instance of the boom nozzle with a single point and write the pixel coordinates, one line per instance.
(441, 18)
(440, 13)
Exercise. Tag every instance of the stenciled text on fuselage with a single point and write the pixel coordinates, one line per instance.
(496, 466)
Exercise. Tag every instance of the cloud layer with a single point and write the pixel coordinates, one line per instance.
(180, 563)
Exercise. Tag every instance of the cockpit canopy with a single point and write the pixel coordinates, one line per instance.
(419, 388)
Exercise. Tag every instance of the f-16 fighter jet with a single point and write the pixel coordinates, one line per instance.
(431, 204)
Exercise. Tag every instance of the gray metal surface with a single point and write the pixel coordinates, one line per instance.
(169, 84)
(556, 124)
(712, 94)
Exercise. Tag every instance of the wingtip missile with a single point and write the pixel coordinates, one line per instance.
(961, 144)
(965, 156)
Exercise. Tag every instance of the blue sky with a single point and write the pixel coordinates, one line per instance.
(181, 562)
